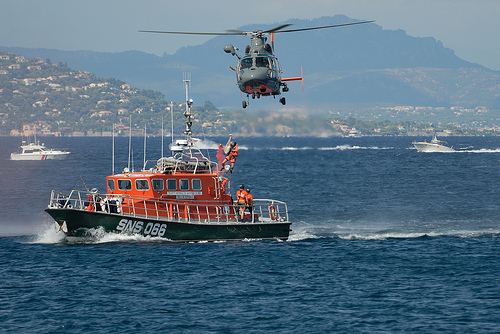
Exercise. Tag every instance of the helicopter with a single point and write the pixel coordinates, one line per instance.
(258, 72)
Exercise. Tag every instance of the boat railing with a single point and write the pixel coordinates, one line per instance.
(186, 211)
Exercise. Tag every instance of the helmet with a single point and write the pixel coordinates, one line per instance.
(248, 190)
(242, 186)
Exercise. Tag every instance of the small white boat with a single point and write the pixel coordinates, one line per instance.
(354, 133)
(434, 145)
(35, 151)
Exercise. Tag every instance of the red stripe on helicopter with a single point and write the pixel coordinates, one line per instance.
(261, 90)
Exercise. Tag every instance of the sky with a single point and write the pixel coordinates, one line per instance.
(469, 27)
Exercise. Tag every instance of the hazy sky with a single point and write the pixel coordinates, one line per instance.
(469, 27)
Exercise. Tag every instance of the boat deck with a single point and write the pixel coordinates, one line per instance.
(188, 211)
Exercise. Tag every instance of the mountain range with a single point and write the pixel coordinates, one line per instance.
(360, 64)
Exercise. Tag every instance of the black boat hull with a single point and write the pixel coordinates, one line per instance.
(77, 223)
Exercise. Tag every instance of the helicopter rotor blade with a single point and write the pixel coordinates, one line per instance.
(323, 27)
(277, 28)
(233, 32)
(236, 32)
(192, 33)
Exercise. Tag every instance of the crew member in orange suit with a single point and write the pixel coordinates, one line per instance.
(249, 199)
(231, 156)
(241, 196)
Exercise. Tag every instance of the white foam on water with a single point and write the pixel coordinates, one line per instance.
(303, 231)
(355, 147)
(288, 148)
(482, 150)
(390, 230)
(48, 234)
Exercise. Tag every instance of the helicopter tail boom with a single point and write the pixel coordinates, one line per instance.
(296, 78)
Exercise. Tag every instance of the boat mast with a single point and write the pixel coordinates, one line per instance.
(113, 152)
(187, 113)
(162, 136)
(144, 159)
(129, 141)
(172, 121)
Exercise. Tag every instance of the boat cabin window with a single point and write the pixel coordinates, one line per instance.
(171, 184)
(111, 184)
(246, 63)
(196, 184)
(157, 184)
(124, 185)
(184, 184)
(142, 184)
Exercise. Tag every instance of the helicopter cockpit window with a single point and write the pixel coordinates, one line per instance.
(262, 62)
(246, 63)
(274, 65)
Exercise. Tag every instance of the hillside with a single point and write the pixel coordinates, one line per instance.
(64, 101)
(357, 64)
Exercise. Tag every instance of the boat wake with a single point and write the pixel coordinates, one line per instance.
(482, 150)
(301, 231)
(355, 147)
(340, 230)
(334, 148)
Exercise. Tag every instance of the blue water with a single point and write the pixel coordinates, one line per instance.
(385, 239)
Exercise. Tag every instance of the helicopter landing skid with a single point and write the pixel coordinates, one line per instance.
(245, 104)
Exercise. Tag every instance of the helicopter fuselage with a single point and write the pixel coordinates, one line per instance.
(259, 74)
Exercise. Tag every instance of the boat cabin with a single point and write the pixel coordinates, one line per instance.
(179, 186)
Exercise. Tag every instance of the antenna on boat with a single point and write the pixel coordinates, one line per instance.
(87, 188)
(189, 102)
(144, 159)
(162, 136)
(129, 141)
(113, 152)
(172, 120)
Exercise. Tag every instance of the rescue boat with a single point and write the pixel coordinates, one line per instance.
(184, 197)
(35, 151)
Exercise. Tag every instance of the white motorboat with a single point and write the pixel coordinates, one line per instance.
(35, 151)
(354, 133)
(434, 145)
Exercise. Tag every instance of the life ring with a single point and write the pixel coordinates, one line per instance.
(272, 212)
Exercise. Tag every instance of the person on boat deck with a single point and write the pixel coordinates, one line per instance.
(241, 196)
(249, 200)
(231, 156)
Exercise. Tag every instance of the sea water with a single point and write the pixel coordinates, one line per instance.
(385, 239)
